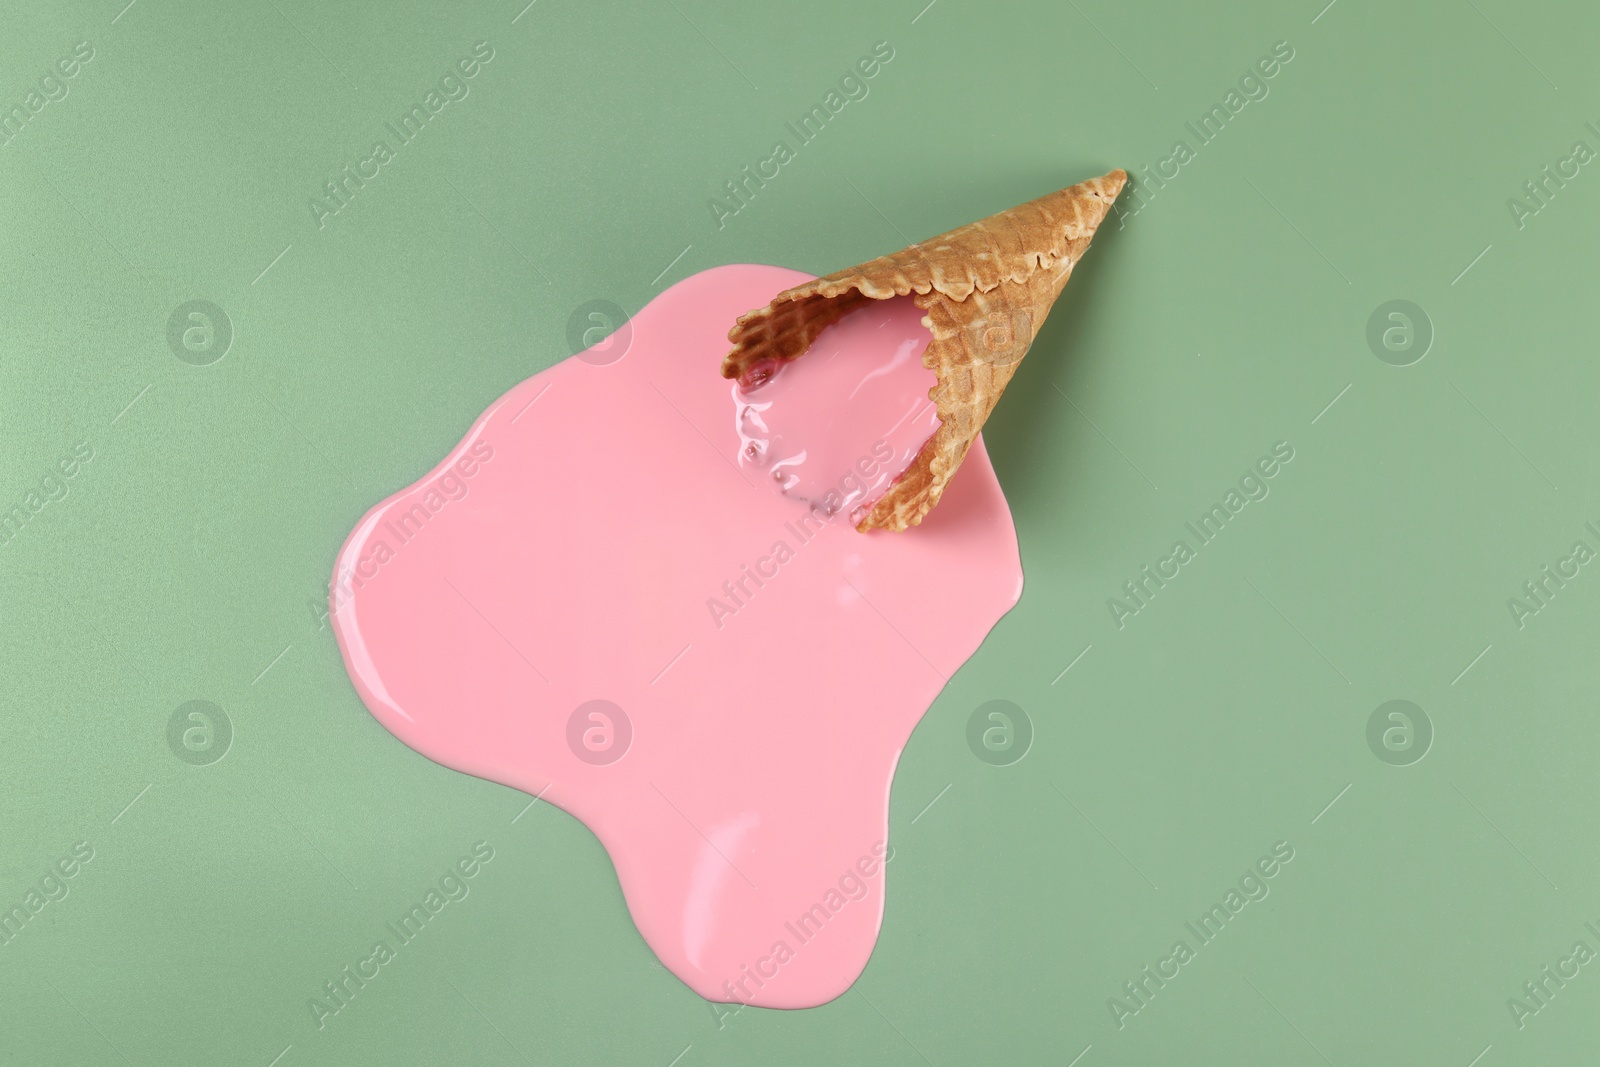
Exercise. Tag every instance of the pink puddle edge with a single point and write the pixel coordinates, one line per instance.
(537, 611)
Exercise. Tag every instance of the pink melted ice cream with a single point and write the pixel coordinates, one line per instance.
(833, 429)
(601, 598)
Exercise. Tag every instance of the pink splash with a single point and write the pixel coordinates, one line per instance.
(598, 598)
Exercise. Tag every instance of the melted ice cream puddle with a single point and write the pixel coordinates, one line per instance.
(589, 600)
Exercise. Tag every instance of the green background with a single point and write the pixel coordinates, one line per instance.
(1222, 318)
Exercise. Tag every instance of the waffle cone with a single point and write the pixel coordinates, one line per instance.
(985, 289)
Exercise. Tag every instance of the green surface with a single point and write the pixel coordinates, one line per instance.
(1224, 717)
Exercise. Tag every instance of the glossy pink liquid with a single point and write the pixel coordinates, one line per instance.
(834, 428)
(542, 610)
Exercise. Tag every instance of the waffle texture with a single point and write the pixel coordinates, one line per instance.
(984, 288)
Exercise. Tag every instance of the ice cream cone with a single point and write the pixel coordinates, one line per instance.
(985, 289)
